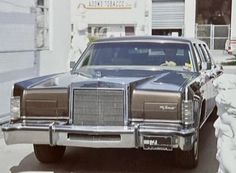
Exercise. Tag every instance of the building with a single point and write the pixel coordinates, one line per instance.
(211, 21)
(40, 37)
(34, 41)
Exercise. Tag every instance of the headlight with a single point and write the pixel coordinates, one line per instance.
(15, 107)
(187, 112)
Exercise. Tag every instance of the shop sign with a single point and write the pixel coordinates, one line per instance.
(109, 4)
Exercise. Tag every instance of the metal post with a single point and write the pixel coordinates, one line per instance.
(212, 34)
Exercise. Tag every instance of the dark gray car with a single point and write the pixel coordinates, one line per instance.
(153, 93)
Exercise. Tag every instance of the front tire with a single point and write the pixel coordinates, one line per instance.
(188, 159)
(49, 154)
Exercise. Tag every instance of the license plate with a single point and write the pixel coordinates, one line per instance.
(157, 143)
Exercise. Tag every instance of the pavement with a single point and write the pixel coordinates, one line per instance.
(220, 56)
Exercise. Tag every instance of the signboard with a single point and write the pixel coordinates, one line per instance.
(108, 4)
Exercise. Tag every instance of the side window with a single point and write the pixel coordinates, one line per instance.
(209, 54)
(197, 54)
(199, 60)
(208, 59)
(87, 59)
(203, 58)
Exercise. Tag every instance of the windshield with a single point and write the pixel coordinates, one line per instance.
(130, 54)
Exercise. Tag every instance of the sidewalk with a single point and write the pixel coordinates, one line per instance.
(221, 56)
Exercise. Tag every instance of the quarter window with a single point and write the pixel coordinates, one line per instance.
(202, 53)
(197, 54)
(205, 53)
(198, 57)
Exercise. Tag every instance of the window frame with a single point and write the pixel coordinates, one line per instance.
(45, 28)
(198, 56)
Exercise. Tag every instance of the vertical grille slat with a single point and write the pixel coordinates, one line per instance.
(98, 107)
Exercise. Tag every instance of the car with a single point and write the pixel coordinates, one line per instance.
(150, 93)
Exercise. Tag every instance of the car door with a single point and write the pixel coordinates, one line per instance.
(209, 76)
(213, 75)
(204, 79)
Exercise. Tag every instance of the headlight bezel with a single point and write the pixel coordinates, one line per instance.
(15, 106)
(187, 112)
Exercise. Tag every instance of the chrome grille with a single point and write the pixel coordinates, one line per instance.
(98, 107)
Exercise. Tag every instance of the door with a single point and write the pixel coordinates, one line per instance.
(207, 73)
(167, 15)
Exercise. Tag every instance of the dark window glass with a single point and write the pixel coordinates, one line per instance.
(199, 60)
(205, 53)
(202, 53)
(129, 31)
(40, 2)
(143, 54)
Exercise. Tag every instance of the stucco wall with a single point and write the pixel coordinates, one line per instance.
(17, 59)
(233, 20)
(56, 59)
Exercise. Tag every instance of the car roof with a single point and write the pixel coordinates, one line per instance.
(149, 39)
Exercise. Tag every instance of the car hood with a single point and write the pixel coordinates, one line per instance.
(167, 80)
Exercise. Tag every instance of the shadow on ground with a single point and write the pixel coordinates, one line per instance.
(125, 160)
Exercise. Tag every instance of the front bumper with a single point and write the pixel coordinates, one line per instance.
(60, 133)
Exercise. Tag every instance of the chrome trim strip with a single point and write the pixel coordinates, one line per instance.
(136, 134)
(43, 118)
(99, 129)
(130, 137)
(71, 98)
(142, 120)
(51, 132)
(126, 105)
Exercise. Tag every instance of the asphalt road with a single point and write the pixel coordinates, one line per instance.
(20, 158)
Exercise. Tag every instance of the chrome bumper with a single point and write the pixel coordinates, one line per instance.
(57, 133)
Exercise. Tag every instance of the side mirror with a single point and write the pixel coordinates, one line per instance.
(206, 65)
(219, 69)
(72, 64)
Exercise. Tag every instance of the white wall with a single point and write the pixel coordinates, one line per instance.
(134, 15)
(17, 59)
(233, 20)
(83, 16)
(56, 60)
(190, 18)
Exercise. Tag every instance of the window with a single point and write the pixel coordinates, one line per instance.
(198, 57)
(201, 53)
(129, 31)
(208, 59)
(97, 31)
(167, 55)
(42, 27)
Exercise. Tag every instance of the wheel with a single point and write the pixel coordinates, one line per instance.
(49, 154)
(188, 159)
